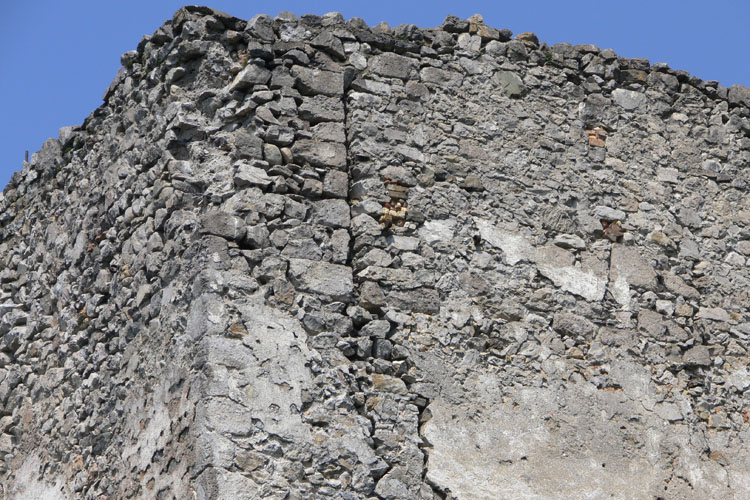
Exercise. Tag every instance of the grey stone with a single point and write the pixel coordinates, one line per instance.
(697, 356)
(259, 50)
(336, 184)
(251, 75)
(572, 324)
(652, 323)
(740, 379)
(453, 24)
(739, 95)
(382, 348)
(669, 412)
(320, 154)
(261, 26)
(510, 83)
(257, 236)
(597, 111)
(247, 175)
(743, 247)
(312, 188)
(677, 285)
(271, 154)
(713, 313)
(328, 131)
(393, 66)
(665, 307)
(371, 296)
(375, 257)
(223, 224)
(387, 383)
(128, 58)
(431, 231)
(495, 48)
(378, 329)
(407, 243)
(281, 136)
(420, 300)
(670, 175)
(516, 50)
(689, 249)
(441, 77)
(248, 145)
(298, 57)
(340, 241)
(322, 109)
(330, 280)
(628, 266)
(332, 213)
(472, 67)
(318, 82)
(358, 61)
(663, 81)
(570, 241)
(329, 44)
(629, 99)
(302, 248)
(610, 214)
(293, 33)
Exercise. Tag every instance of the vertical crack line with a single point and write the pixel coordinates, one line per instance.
(349, 161)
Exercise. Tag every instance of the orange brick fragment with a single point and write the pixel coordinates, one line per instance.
(597, 137)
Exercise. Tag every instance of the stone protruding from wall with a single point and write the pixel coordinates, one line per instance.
(302, 258)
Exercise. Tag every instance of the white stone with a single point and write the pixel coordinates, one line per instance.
(575, 280)
(735, 259)
(739, 379)
(665, 307)
(514, 246)
(437, 230)
(358, 60)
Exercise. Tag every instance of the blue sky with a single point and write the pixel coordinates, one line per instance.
(59, 57)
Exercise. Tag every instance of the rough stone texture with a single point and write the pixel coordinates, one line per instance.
(299, 258)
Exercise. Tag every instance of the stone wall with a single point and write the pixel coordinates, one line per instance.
(302, 258)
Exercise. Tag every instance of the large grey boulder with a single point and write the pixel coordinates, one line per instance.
(320, 154)
(322, 109)
(318, 82)
(393, 65)
(250, 75)
(510, 83)
(223, 224)
(331, 280)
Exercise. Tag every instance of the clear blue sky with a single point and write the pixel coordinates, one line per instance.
(59, 57)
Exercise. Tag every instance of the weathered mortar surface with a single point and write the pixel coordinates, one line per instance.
(302, 258)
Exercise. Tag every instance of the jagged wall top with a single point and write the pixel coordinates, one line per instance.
(408, 38)
(580, 62)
